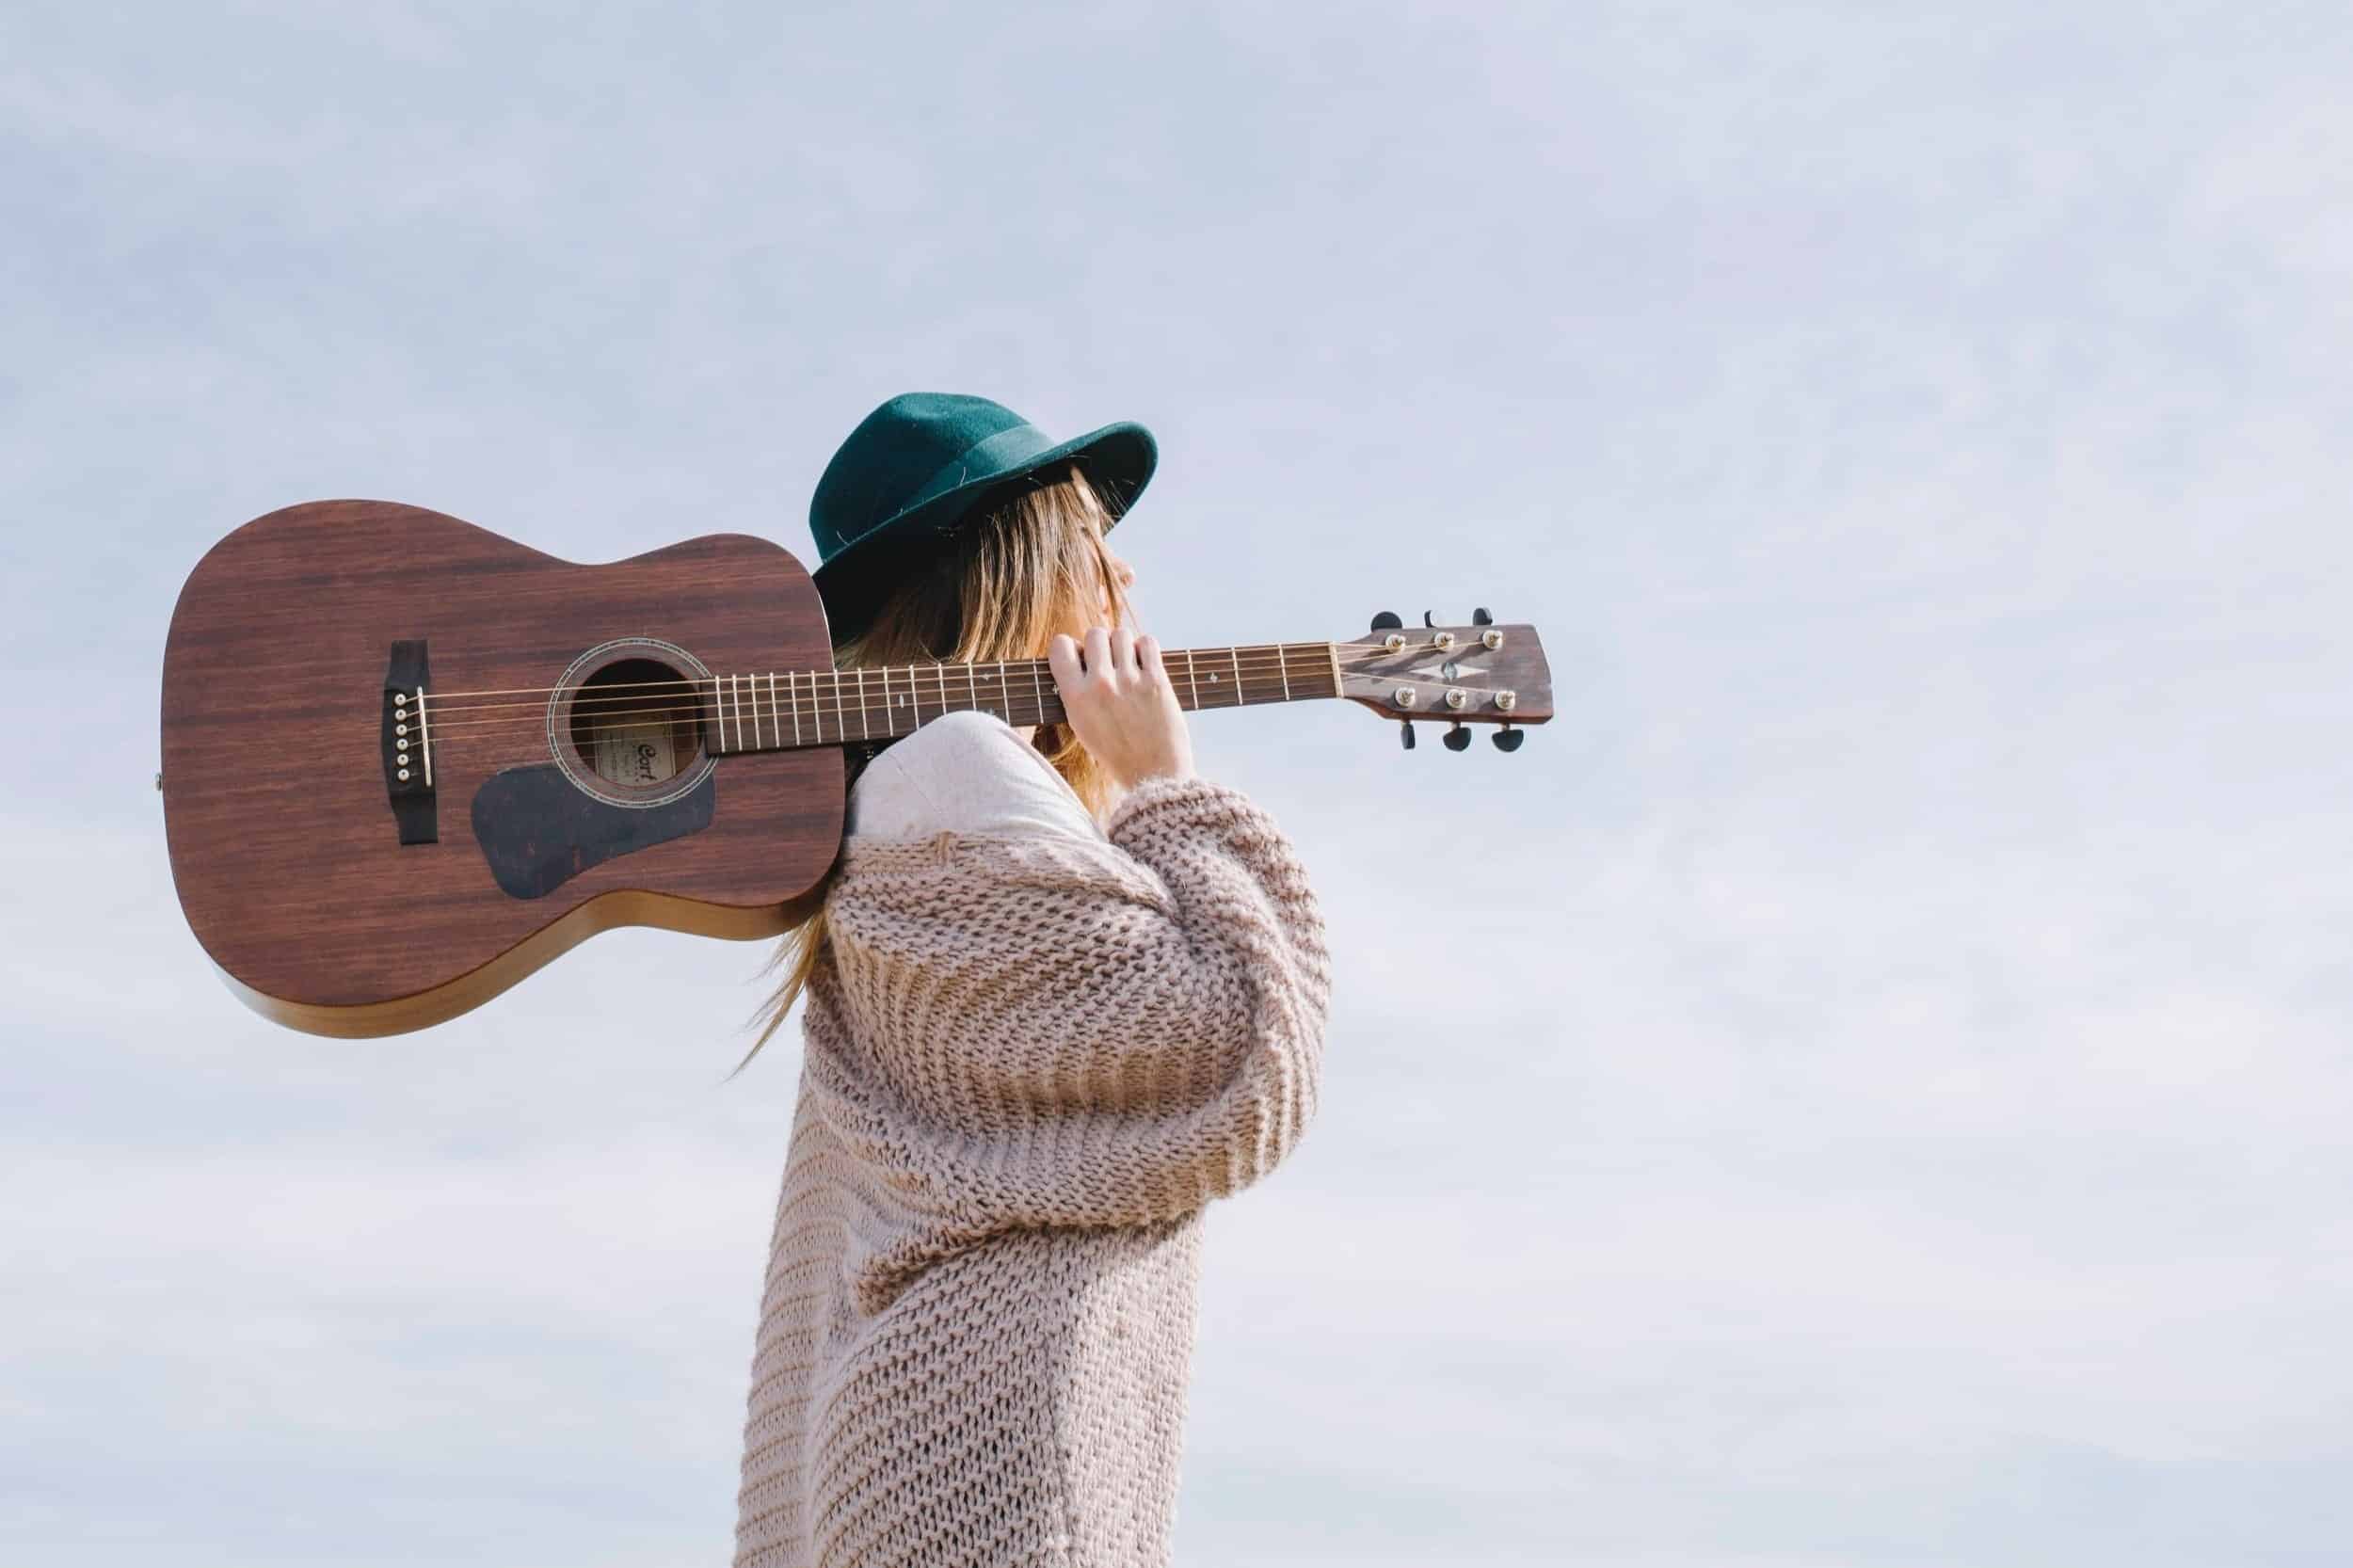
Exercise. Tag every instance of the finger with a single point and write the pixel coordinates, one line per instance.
(1148, 654)
(1062, 657)
(1123, 651)
(1098, 653)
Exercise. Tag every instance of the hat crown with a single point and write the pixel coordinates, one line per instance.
(895, 454)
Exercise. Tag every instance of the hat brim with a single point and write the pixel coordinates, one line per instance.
(1118, 459)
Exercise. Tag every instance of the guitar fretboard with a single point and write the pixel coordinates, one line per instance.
(779, 710)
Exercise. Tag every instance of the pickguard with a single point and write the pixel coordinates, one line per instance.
(539, 831)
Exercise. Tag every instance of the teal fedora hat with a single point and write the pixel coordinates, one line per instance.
(925, 463)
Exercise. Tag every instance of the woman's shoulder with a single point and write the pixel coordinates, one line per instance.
(966, 772)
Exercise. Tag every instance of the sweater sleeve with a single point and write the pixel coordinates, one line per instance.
(1050, 1032)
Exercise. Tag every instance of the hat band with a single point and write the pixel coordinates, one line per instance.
(1007, 449)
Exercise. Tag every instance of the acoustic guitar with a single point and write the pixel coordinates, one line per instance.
(407, 762)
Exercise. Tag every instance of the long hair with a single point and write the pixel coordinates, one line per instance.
(1000, 588)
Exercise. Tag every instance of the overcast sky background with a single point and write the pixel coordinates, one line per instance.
(1868, 1085)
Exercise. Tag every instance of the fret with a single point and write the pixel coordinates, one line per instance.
(1213, 679)
(1235, 653)
(776, 718)
(792, 694)
(972, 685)
(718, 714)
(756, 742)
(863, 732)
(890, 724)
(940, 673)
(1283, 667)
(1038, 689)
(1191, 678)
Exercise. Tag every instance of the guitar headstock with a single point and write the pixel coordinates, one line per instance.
(1477, 674)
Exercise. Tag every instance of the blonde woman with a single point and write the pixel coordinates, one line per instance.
(1061, 994)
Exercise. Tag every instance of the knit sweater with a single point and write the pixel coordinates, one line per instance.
(1031, 1060)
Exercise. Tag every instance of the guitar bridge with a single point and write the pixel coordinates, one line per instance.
(408, 744)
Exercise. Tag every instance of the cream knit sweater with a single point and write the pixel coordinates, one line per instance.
(1031, 1060)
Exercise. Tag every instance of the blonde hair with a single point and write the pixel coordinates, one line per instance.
(1000, 588)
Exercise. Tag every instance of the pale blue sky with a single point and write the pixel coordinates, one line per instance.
(1866, 1086)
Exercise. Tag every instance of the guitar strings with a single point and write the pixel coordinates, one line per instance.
(923, 681)
(1273, 666)
(1260, 682)
(1248, 649)
(439, 703)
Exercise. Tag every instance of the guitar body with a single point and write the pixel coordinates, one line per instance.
(338, 893)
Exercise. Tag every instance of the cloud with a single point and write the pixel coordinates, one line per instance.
(1864, 1086)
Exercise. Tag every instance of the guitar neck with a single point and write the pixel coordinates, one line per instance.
(783, 710)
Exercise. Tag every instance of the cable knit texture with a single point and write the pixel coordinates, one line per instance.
(1029, 1063)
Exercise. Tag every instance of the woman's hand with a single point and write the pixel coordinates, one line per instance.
(1121, 704)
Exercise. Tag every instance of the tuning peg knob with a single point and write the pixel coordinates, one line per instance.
(1456, 739)
(1405, 733)
(1426, 621)
(1509, 739)
(1386, 621)
(1481, 617)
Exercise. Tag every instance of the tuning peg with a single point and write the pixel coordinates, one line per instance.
(1405, 733)
(1509, 739)
(1386, 621)
(1481, 617)
(1426, 621)
(1456, 739)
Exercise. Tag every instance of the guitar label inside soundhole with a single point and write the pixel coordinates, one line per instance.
(635, 725)
(633, 753)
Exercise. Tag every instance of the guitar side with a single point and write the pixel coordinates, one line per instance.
(290, 858)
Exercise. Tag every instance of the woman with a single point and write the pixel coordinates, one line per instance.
(1060, 994)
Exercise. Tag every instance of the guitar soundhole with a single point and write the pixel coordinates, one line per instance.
(635, 722)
